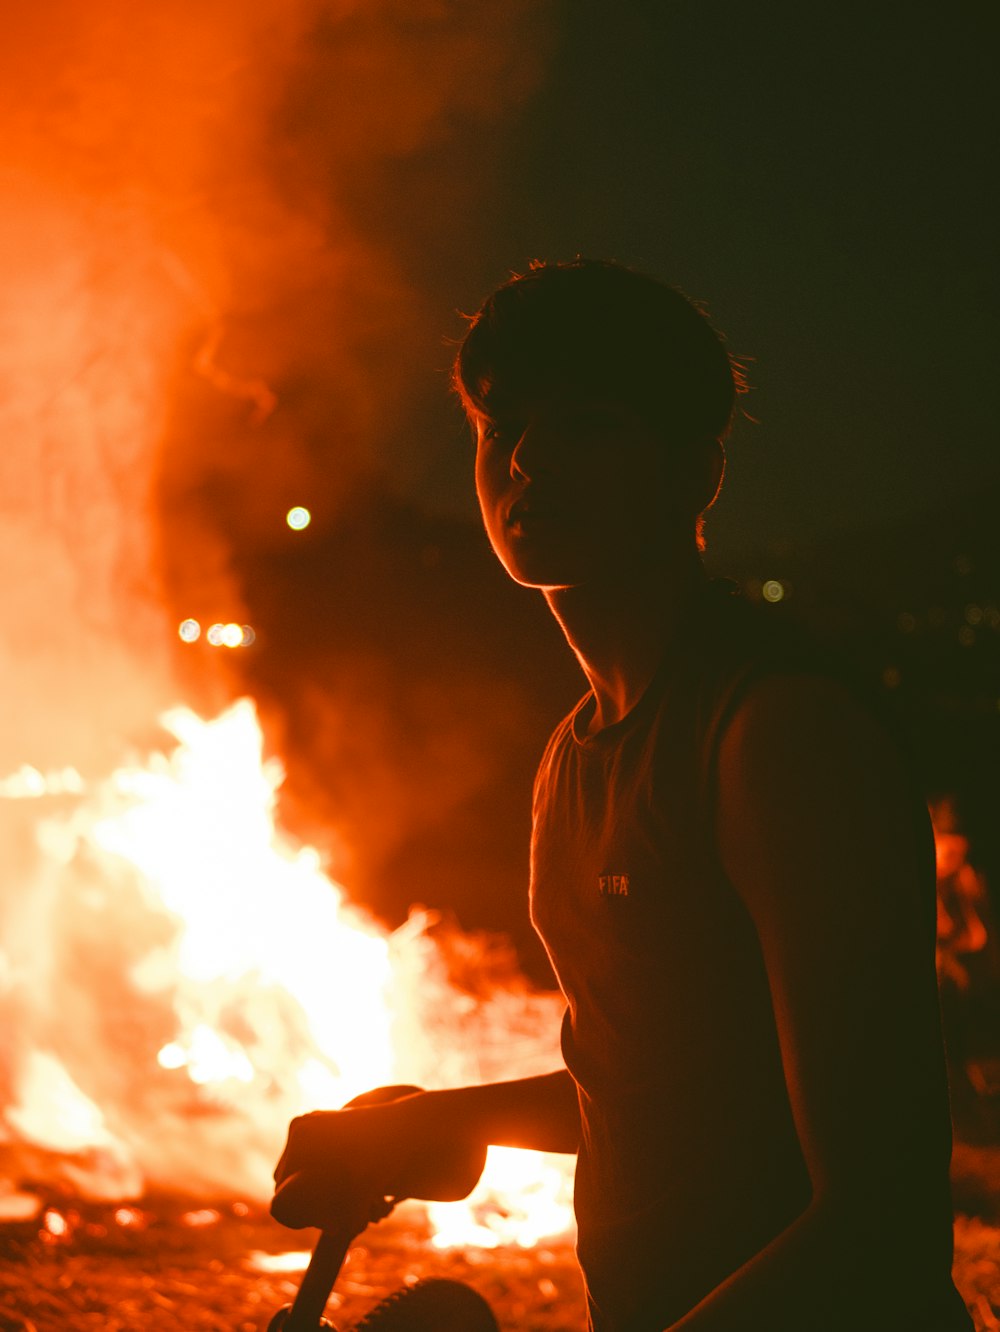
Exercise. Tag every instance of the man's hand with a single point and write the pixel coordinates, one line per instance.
(340, 1167)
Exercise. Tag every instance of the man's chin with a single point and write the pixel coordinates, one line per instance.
(542, 577)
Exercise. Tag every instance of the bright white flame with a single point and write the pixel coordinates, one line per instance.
(250, 992)
(249, 909)
(208, 1057)
(298, 518)
(537, 1188)
(52, 1111)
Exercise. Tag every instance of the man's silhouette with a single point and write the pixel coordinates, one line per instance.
(731, 869)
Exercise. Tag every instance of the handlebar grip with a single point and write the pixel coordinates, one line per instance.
(306, 1312)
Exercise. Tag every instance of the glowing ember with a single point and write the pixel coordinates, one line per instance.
(295, 1261)
(19, 1206)
(207, 982)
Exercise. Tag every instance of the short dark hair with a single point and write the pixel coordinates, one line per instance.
(594, 324)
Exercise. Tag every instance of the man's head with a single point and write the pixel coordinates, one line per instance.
(595, 335)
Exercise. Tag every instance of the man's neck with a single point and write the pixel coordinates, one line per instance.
(622, 629)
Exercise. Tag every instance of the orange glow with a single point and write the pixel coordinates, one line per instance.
(173, 247)
(253, 991)
(962, 899)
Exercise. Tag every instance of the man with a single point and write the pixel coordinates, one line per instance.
(730, 868)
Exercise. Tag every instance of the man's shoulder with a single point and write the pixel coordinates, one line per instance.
(559, 740)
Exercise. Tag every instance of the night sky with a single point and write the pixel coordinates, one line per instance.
(818, 176)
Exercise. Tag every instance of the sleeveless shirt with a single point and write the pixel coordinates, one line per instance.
(690, 1162)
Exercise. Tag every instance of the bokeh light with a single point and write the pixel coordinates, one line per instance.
(232, 635)
(773, 590)
(249, 637)
(298, 518)
(214, 634)
(189, 631)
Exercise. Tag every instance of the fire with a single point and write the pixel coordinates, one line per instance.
(205, 981)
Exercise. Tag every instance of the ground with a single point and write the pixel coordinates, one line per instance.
(168, 1264)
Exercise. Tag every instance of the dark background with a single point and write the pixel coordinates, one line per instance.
(818, 177)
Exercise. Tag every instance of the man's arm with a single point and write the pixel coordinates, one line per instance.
(427, 1145)
(817, 835)
(540, 1113)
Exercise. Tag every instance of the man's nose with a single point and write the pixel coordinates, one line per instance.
(532, 455)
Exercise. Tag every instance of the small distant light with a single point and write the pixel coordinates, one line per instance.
(974, 614)
(130, 1218)
(249, 637)
(240, 1209)
(215, 635)
(189, 630)
(891, 677)
(773, 590)
(55, 1223)
(232, 635)
(966, 636)
(205, 1216)
(906, 622)
(298, 518)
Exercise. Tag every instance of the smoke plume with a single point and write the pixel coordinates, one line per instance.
(214, 309)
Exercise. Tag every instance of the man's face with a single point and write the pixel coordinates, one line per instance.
(574, 488)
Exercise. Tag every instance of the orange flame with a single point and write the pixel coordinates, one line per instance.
(255, 991)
